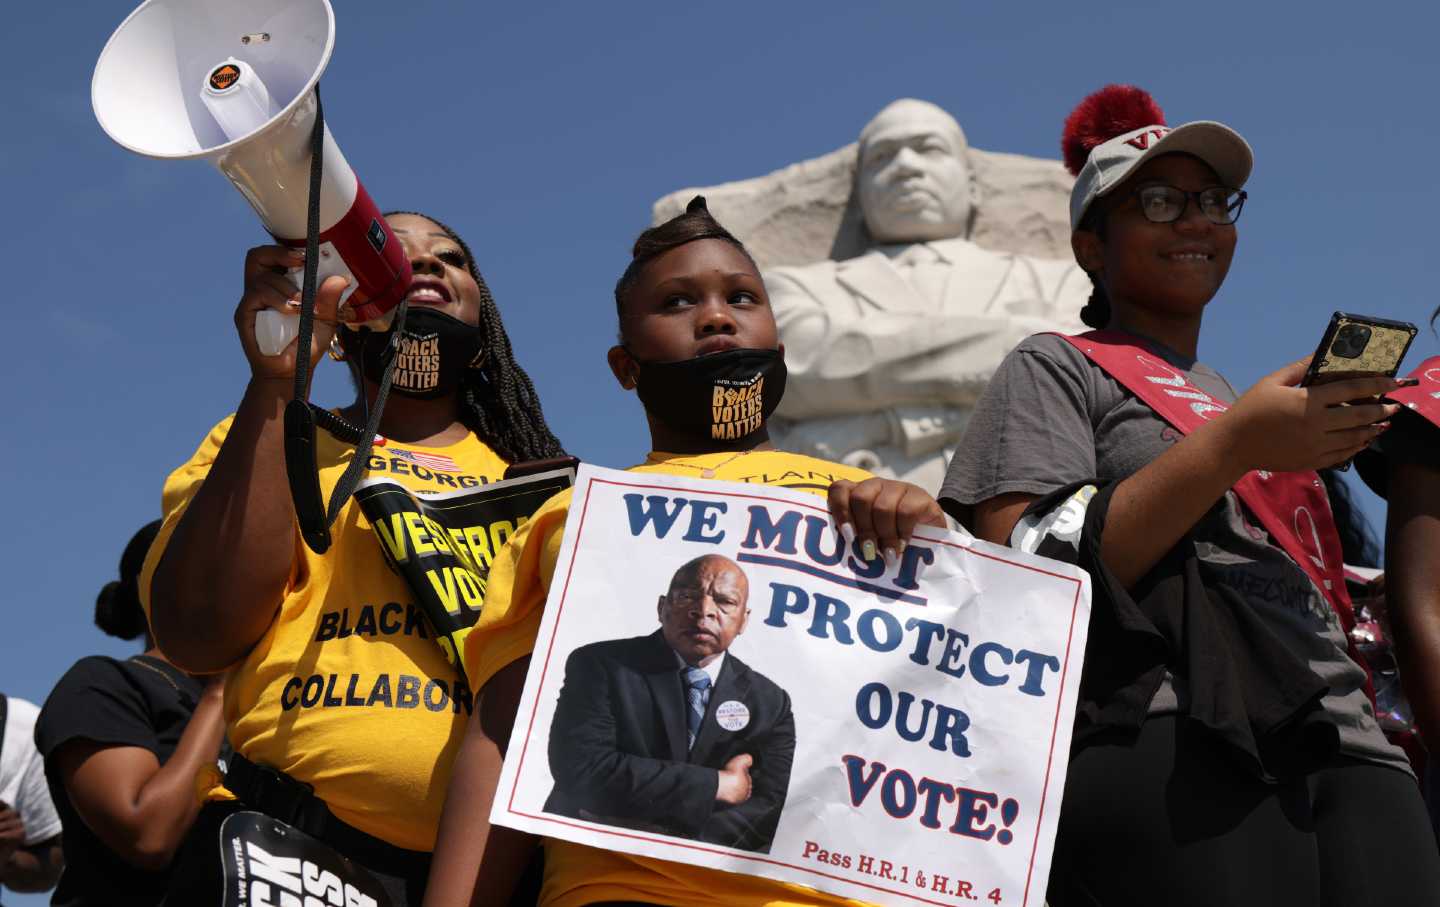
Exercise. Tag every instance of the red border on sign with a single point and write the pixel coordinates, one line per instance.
(754, 858)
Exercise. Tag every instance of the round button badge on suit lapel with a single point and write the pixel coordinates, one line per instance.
(732, 715)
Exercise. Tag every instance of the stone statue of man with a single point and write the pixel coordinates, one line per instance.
(888, 351)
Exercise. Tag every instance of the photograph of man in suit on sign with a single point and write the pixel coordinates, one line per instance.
(671, 732)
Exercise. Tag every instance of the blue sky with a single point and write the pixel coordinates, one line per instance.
(544, 133)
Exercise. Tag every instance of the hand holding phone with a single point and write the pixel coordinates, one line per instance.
(1358, 346)
(1280, 427)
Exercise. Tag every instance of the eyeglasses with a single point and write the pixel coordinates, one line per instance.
(1166, 204)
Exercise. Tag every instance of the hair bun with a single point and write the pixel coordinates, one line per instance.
(117, 607)
(1111, 111)
(697, 206)
(118, 612)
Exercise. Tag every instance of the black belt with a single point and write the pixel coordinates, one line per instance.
(293, 802)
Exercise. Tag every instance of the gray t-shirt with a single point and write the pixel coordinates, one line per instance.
(1050, 417)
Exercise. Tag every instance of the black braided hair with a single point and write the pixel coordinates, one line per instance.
(695, 223)
(498, 401)
(1096, 313)
(117, 607)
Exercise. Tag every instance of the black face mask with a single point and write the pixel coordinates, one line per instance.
(724, 396)
(434, 353)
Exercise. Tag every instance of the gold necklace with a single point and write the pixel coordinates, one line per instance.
(135, 660)
(706, 472)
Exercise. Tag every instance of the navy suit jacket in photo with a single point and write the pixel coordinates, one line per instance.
(618, 746)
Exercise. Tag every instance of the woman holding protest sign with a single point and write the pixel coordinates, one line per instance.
(332, 662)
(693, 311)
(1225, 749)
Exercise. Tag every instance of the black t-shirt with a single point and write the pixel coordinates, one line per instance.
(1411, 438)
(140, 702)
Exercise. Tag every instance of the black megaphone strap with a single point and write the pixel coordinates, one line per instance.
(301, 416)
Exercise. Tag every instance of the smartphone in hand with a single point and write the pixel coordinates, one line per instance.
(1359, 346)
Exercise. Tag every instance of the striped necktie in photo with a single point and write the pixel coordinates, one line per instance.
(697, 696)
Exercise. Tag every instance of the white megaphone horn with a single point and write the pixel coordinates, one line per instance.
(233, 82)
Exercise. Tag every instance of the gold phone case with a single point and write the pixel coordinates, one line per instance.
(1386, 348)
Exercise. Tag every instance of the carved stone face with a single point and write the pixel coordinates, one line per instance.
(914, 178)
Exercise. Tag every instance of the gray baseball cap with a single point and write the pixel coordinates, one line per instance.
(1110, 162)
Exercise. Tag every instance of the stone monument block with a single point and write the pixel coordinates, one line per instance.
(902, 269)
(808, 211)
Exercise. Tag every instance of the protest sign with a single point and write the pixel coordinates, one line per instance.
(265, 862)
(893, 733)
(443, 544)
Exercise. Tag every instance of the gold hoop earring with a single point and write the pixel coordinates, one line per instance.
(336, 352)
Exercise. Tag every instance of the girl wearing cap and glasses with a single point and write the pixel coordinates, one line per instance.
(1225, 748)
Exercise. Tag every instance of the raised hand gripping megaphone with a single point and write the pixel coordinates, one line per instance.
(234, 82)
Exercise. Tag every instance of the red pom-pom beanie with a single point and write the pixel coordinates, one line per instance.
(1119, 127)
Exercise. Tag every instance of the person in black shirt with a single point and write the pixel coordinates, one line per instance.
(123, 742)
(1405, 460)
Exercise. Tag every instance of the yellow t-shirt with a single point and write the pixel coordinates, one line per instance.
(518, 585)
(347, 690)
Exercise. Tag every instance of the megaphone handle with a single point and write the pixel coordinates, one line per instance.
(330, 265)
(274, 329)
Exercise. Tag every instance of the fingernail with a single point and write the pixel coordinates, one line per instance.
(847, 532)
(1407, 382)
(867, 550)
(892, 560)
(1381, 426)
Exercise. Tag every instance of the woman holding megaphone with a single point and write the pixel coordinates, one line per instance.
(343, 711)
